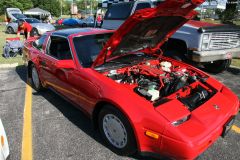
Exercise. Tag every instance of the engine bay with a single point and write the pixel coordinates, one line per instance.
(159, 81)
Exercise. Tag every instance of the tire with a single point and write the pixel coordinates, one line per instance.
(10, 30)
(217, 66)
(174, 55)
(84, 25)
(116, 131)
(35, 32)
(35, 81)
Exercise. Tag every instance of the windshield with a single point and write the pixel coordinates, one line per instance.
(17, 15)
(32, 20)
(88, 47)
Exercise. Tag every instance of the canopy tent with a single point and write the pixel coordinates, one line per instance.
(37, 11)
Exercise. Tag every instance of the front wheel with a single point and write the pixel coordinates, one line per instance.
(36, 83)
(10, 30)
(217, 66)
(116, 131)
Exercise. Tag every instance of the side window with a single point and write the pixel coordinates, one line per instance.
(39, 42)
(142, 6)
(58, 47)
(119, 11)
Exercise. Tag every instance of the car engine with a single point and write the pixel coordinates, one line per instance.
(160, 81)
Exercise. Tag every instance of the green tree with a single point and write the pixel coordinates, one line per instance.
(231, 11)
(26, 4)
(9, 3)
(53, 6)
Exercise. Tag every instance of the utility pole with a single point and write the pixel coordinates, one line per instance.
(61, 1)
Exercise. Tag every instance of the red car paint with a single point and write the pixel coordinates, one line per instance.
(89, 88)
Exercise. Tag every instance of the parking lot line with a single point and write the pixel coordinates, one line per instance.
(236, 129)
(27, 126)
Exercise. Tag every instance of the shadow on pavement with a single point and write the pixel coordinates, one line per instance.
(76, 116)
(22, 72)
(233, 70)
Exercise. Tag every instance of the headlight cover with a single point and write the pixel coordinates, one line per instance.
(206, 41)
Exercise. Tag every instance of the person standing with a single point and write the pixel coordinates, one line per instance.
(26, 28)
(99, 20)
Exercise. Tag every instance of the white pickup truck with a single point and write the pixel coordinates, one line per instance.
(211, 45)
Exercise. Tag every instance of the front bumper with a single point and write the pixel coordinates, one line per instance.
(208, 56)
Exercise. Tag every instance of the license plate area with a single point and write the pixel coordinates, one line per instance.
(227, 126)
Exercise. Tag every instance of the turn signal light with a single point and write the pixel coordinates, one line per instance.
(2, 141)
(152, 135)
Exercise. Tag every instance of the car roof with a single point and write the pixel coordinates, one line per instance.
(80, 31)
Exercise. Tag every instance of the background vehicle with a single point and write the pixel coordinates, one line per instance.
(39, 28)
(88, 22)
(171, 108)
(211, 45)
(14, 14)
(4, 148)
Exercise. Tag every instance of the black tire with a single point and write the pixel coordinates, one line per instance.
(217, 66)
(37, 86)
(84, 25)
(10, 30)
(174, 54)
(130, 147)
(35, 32)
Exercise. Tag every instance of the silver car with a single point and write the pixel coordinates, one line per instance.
(39, 28)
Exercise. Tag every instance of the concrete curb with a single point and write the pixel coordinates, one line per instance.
(8, 65)
(234, 67)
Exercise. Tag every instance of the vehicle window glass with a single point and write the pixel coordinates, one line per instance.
(39, 42)
(88, 47)
(18, 16)
(119, 11)
(32, 20)
(142, 6)
(59, 48)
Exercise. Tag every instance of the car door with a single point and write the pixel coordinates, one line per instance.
(56, 74)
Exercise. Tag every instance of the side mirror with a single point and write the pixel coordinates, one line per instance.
(66, 64)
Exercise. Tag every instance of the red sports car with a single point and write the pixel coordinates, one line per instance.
(137, 98)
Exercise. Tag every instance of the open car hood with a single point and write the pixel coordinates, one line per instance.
(148, 29)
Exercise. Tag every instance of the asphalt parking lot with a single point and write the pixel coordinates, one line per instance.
(61, 132)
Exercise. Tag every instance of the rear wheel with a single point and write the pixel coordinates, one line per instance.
(116, 131)
(10, 30)
(84, 25)
(217, 66)
(35, 32)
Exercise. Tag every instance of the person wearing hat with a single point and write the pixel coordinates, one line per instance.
(26, 28)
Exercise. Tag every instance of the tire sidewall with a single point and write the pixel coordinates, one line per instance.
(218, 66)
(130, 147)
(35, 32)
(37, 88)
(10, 30)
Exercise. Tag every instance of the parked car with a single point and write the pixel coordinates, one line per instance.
(196, 42)
(137, 98)
(4, 148)
(72, 22)
(39, 28)
(88, 22)
(14, 14)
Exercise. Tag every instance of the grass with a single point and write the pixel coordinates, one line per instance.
(3, 37)
(236, 62)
